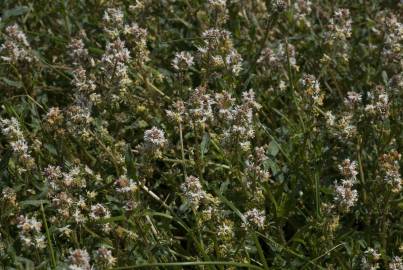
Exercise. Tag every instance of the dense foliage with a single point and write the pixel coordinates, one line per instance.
(201, 134)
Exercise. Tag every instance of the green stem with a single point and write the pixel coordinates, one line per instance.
(52, 254)
(182, 148)
(260, 251)
(236, 264)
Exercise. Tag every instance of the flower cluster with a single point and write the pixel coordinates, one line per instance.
(79, 259)
(104, 258)
(193, 191)
(339, 27)
(218, 51)
(390, 170)
(311, 87)
(346, 197)
(303, 8)
(16, 48)
(392, 40)
(396, 263)
(256, 165)
(379, 103)
(254, 217)
(11, 129)
(240, 119)
(30, 230)
(182, 61)
(370, 260)
(278, 56)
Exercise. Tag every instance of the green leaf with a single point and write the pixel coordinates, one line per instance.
(12, 83)
(385, 77)
(110, 220)
(17, 11)
(51, 149)
(204, 144)
(273, 148)
(274, 167)
(33, 203)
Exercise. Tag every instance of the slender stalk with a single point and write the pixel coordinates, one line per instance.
(147, 265)
(317, 198)
(51, 251)
(260, 251)
(182, 149)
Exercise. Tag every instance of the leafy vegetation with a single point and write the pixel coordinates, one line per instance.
(201, 134)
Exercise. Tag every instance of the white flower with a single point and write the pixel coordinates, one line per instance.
(396, 263)
(217, 3)
(19, 146)
(16, 47)
(353, 98)
(113, 16)
(104, 256)
(182, 61)
(349, 169)
(155, 137)
(193, 191)
(79, 259)
(99, 211)
(345, 196)
(255, 217)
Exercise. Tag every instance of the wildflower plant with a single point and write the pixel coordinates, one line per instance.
(191, 134)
